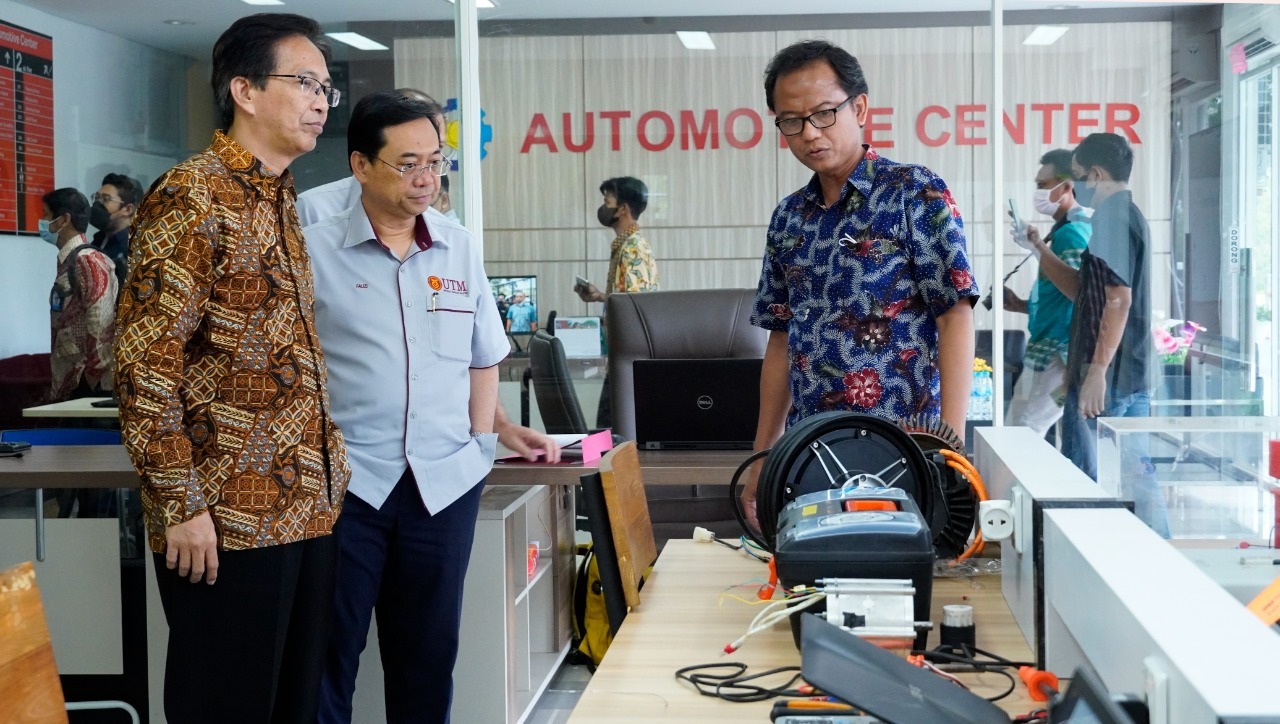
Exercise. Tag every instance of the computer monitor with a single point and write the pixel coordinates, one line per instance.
(517, 299)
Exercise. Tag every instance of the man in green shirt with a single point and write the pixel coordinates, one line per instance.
(1037, 398)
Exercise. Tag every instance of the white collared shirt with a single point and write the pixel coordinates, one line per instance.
(317, 204)
(399, 339)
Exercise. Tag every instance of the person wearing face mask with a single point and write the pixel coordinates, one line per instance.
(1109, 357)
(1048, 310)
(81, 303)
(111, 214)
(631, 264)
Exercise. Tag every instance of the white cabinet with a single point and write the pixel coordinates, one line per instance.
(515, 622)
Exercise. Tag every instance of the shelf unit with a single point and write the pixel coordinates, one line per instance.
(515, 626)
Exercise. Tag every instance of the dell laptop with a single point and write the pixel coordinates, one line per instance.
(696, 404)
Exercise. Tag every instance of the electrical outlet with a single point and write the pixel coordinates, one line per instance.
(995, 517)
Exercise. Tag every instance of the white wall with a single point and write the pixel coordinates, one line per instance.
(118, 106)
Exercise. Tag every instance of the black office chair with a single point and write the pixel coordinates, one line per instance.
(549, 376)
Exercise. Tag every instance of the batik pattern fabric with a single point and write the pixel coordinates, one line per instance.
(82, 319)
(221, 378)
(858, 287)
(631, 264)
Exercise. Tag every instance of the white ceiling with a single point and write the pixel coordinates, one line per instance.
(143, 20)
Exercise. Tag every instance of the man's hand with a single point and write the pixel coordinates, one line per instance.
(748, 496)
(1013, 302)
(1093, 392)
(589, 292)
(193, 549)
(528, 443)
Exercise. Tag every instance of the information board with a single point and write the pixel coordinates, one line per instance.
(26, 127)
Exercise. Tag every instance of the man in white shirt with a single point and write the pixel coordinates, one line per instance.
(321, 202)
(412, 340)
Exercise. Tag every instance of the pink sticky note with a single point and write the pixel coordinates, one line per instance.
(595, 445)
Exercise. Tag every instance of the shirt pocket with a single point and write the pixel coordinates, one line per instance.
(449, 330)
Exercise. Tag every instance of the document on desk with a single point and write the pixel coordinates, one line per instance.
(575, 449)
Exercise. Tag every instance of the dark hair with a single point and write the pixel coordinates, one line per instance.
(1108, 151)
(128, 189)
(1060, 160)
(373, 114)
(630, 191)
(798, 55)
(69, 201)
(437, 110)
(247, 49)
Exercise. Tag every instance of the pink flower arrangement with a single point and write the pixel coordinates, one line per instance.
(1173, 339)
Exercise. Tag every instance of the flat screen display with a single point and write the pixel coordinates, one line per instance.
(517, 299)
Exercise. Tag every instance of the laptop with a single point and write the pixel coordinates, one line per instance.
(696, 404)
(887, 687)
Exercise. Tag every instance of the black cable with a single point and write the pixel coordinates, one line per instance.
(732, 687)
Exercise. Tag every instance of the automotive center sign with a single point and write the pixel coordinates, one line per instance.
(744, 128)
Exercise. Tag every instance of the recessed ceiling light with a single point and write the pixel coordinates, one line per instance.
(1064, 7)
(358, 41)
(695, 39)
(178, 22)
(1046, 35)
(263, 2)
(480, 3)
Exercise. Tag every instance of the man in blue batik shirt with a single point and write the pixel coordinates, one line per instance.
(865, 290)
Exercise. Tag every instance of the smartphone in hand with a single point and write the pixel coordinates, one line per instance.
(580, 283)
(1018, 223)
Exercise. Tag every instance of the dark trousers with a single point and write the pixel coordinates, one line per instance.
(249, 648)
(407, 566)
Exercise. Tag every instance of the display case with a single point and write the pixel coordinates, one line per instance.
(1208, 475)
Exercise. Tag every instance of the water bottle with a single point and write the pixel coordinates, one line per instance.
(986, 408)
(974, 396)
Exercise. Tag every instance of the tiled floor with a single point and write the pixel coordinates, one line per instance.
(557, 702)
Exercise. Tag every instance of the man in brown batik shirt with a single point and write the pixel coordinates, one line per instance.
(222, 392)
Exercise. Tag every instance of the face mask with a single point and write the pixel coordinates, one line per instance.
(46, 234)
(99, 216)
(1042, 202)
(1084, 194)
(605, 215)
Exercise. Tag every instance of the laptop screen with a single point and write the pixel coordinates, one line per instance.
(696, 404)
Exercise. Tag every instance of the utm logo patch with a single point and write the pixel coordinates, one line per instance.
(435, 283)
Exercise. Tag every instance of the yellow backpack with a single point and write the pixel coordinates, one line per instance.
(591, 634)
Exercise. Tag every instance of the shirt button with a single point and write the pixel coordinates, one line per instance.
(413, 377)
(403, 270)
(413, 340)
(408, 304)
(408, 452)
(413, 415)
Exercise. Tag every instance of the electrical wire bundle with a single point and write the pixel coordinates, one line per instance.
(776, 612)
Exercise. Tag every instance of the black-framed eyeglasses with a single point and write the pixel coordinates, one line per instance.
(104, 199)
(414, 171)
(818, 119)
(311, 85)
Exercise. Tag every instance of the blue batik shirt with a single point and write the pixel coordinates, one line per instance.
(858, 288)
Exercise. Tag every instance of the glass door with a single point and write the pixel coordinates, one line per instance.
(1259, 224)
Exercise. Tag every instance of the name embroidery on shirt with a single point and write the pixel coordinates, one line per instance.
(362, 285)
(441, 284)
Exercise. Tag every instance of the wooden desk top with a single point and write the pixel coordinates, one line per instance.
(679, 623)
(69, 466)
(108, 466)
(659, 467)
(73, 408)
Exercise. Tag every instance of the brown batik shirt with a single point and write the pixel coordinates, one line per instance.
(220, 376)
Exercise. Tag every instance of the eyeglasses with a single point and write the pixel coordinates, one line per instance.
(414, 171)
(311, 85)
(820, 119)
(103, 199)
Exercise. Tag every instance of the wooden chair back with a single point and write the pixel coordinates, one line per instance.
(30, 690)
(628, 511)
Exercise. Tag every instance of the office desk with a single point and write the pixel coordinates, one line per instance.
(73, 408)
(659, 467)
(680, 623)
